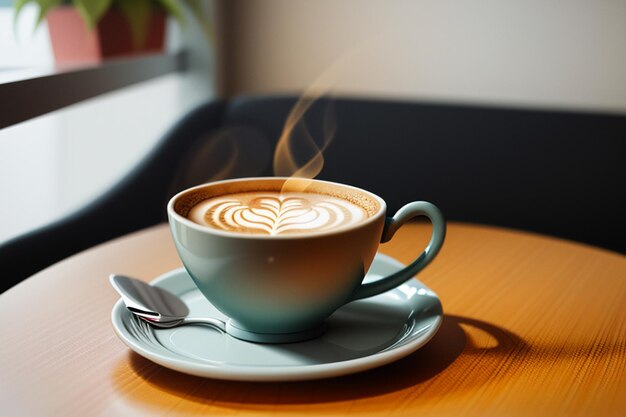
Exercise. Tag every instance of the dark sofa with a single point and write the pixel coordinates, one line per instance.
(553, 172)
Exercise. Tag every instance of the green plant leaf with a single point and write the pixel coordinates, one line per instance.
(17, 8)
(44, 8)
(197, 10)
(138, 14)
(92, 10)
(173, 7)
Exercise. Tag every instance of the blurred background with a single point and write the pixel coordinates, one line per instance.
(533, 54)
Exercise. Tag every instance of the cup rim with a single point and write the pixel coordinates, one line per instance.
(204, 229)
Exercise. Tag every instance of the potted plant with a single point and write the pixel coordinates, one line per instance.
(94, 30)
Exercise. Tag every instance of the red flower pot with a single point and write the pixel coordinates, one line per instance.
(73, 42)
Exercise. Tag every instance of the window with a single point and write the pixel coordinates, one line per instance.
(53, 164)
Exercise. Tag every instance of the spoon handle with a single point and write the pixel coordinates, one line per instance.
(216, 323)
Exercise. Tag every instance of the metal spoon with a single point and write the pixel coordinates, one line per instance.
(157, 306)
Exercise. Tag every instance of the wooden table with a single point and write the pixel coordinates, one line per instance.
(534, 326)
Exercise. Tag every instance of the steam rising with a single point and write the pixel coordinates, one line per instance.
(243, 152)
(296, 135)
(226, 153)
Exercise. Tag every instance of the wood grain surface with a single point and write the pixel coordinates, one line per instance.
(533, 326)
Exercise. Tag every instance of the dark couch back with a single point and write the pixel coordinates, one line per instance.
(559, 173)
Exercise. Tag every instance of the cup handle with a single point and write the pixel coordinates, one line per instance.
(392, 224)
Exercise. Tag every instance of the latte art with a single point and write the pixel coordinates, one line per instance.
(274, 213)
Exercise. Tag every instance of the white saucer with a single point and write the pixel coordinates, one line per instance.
(361, 335)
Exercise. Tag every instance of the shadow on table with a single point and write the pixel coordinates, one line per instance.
(426, 372)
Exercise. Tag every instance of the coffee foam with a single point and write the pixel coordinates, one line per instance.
(275, 213)
(258, 207)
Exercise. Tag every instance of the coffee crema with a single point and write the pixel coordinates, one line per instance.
(276, 213)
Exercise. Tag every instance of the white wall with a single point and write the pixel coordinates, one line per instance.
(565, 54)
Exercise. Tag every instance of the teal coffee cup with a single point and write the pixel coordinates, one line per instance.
(279, 263)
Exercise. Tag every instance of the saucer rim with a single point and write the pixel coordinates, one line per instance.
(225, 371)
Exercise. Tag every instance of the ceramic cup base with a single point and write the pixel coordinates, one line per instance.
(233, 329)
